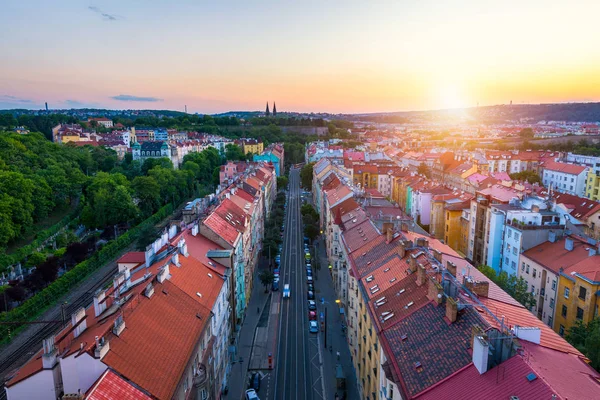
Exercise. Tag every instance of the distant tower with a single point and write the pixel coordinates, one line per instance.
(46, 106)
(274, 110)
(267, 112)
(186, 109)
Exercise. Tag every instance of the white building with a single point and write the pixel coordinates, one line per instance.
(565, 178)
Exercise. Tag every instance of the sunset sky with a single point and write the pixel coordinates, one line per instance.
(330, 56)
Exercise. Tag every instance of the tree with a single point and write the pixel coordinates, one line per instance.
(35, 259)
(526, 133)
(306, 176)
(147, 191)
(146, 235)
(529, 176)
(282, 182)
(423, 169)
(311, 232)
(266, 278)
(233, 152)
(586, 338)
(515, 287)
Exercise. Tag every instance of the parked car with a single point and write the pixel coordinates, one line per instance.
(308, 271)
(313, 327)
(275, 285)
(312, 315)
(311, 287)
(311, 295)
(251, 395)
(255, 381)
(309, 279)
(312, 305)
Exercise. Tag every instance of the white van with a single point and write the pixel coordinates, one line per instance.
(286, 290)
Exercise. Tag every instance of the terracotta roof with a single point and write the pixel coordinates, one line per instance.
(160, 336)
(440, 349)
(563, 167)
(194, 277)
(30, 368)
(388, 273)
(501, 193)
(581, 207)
(588, 268)
(359, 235)
(501, 382)
(222, 228)
(345, 207)
(554, 256)
(198, 246)
(133, 257)
(331, 181)
(367, 168)
(111, 386)
(335, 195)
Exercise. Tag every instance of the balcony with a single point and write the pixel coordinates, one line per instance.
(200, 376)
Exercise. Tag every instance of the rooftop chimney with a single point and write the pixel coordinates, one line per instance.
(78, 321)
(404, 227)
(437, 255)
(569, 244)
(480, 288)
(99, 302)
(451, 309)
(451, 267)
(102, 347)
(552, 236)
(388, 229)
(163, 273)
(149, 291)
(481, 350)
(592, 251)
(49, 357)
(421, 274)
(434, 291)
(119, 325)
(195, 230)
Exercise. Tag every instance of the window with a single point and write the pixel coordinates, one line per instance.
(563, 312)
(553, 285)
(561, 330)
(527, 269)
(505, 260)
(579, 314)
(550, 321)
(515, 250)
(509, 233)
(532, 289)
(567, 291)
(534, 271)
(582, 293)
(551, 303)
(516, 236)
(523, 267)
(514, 265)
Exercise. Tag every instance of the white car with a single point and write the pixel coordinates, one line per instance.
(286, 290)
(251, 395)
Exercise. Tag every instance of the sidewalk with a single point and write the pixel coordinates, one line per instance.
(335, 337)
(254, 339)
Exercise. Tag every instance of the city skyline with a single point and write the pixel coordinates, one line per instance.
(307, 57)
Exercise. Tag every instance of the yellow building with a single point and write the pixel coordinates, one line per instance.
(366, 176)
(592, 187)
(453, 228)
(252, 146)
(366, 363)
(577, 299)
(463, 242)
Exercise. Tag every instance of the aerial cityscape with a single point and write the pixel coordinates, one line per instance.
(297, 200)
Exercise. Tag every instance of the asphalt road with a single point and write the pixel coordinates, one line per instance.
(297, 376)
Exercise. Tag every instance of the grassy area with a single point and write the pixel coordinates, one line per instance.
(46, 223)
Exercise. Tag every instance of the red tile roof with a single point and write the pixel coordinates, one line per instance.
(581, 207)
(198, 246)
(562, 167)
(335, 195)
(554, 256)
(360, 235)
(133, 257)
(502, 382)
(111, 386)
(160, 336)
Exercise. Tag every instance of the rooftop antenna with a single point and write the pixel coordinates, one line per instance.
(185, 108)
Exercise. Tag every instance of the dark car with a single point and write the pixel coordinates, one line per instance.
(311, 295)
(311, 287)
(309, 272)
(275, 286)
(255, 381)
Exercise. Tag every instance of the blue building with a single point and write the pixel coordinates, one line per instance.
(269, 157)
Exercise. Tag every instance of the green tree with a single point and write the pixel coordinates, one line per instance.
(423, 169)
(266, 278)
(306, 176)
(234, 152)
(526, 133)
(311, 231)
(147, 191)
(146, 235)
(586, 338)
(282, 182)
(529, 176)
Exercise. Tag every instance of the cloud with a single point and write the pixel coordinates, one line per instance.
(106, 16)
(14, 99)
(128, 97)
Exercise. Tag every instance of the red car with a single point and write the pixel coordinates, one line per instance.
(312, 315)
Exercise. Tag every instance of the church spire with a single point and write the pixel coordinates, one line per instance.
(274, 110)
(267, 112)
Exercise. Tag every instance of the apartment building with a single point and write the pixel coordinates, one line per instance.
(565, 178)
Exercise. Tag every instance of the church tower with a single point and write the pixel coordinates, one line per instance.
(267, 112)
(274, 110)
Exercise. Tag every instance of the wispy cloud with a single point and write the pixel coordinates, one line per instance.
(14, 99)
(105, 15)
(128, 97)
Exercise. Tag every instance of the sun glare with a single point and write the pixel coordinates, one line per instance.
(450, 96)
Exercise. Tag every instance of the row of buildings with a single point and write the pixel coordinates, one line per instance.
(168, 325)
(423, 322)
